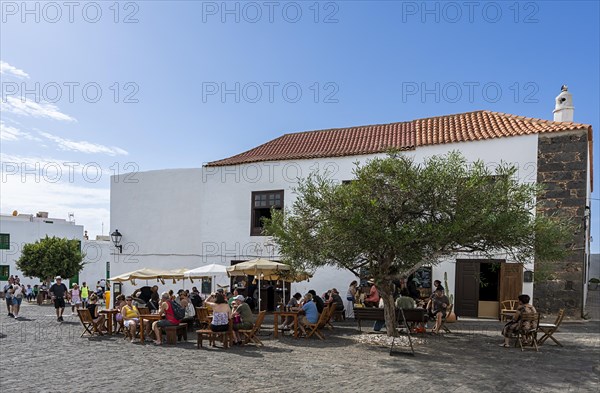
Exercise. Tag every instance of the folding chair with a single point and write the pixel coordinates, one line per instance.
(88, 323)
(448, 312)
(527, 336)
(331, 310)
(250, 334)
(509, 307)
(313, 328)
(549, 328)
(202, 316)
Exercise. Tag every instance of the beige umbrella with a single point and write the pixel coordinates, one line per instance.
(149, 274)
(259, 267)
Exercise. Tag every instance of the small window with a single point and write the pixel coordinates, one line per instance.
(262, 202)
(4, 272)
(4, 241)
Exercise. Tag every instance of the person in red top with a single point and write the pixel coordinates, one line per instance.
(373, 299)
(166, 311)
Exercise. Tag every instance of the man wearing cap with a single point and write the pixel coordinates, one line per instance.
(246, 318)
(58, 291)
(373, 299)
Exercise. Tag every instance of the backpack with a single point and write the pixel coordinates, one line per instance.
(178, 311)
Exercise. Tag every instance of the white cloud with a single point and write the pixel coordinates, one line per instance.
(90, 205)
(34, 109)
(7, 69)
(84, 146)
(10, 133)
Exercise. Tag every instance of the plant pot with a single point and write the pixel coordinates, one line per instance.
(450, 318)
(593, 286)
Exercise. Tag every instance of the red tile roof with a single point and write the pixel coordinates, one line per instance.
(350, 141)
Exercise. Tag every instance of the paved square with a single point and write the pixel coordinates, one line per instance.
(38, 354)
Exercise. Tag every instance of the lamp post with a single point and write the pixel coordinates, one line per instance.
(116, 239)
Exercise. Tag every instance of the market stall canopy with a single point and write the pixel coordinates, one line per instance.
(206, 271)
(149, 274)
(257, 267)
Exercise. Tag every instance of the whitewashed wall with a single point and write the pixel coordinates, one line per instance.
(192, 217)
(24, 230)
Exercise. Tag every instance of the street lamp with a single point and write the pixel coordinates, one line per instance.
(116, 239)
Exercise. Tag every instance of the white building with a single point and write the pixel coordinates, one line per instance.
(191, 217)
(20, 229)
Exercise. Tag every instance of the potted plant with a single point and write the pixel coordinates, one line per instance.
(593, 284)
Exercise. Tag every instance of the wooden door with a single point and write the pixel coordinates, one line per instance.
(511, 281)
(466, 296)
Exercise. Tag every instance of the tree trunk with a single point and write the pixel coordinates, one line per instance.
(389, 307)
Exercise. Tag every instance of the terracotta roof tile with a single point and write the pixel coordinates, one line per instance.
(378, 138)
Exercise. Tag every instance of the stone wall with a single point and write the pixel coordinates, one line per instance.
(563, 170)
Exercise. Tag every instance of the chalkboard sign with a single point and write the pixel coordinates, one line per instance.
(206, 285)
(423, 275)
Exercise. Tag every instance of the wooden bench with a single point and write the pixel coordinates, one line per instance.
(224, 337)
(417, 315)
(175, 333)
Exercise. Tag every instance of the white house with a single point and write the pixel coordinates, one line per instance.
(192, 217)
(20, 229)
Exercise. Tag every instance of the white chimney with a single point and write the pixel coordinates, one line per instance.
(563, 110)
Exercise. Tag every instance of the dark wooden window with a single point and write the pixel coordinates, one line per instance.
(4, 272)
(4, 241)
(262, 202)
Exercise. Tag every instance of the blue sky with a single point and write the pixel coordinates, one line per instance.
(355, 62)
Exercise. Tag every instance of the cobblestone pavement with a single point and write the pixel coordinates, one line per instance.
(38, 354)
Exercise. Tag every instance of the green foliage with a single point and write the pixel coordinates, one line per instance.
(49, 257)
(397, 215)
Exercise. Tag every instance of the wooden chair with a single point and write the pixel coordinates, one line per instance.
(144, 310)
(175, 333)
(202, 316)
(313, 328)
(250, 334)
(448, 312)
(224, 337)
(527, 337)
(331, 310)
(508, 309)
(549, 328)
(87, 322)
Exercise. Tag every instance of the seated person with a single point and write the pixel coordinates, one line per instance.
(97, 318)
(195, 297)
(293, 304)
(241, 312)
(317, 300)
(311, 314)
(131, 317)
(373, 299)
(337, 299)
(516, 324)
(437, 308)
(190, 311)
(221, 312)
(165, 310)
(404, 301)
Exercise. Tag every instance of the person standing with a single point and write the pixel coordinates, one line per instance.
(75, 298)
(58, 290)
(17, 299)
(351, 299)
(8, 290)
(85, 294)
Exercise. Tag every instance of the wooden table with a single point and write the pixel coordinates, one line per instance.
(111, 314)
(148, 317)
(283, 314)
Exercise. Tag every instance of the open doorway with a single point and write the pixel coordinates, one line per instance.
(482, 284)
